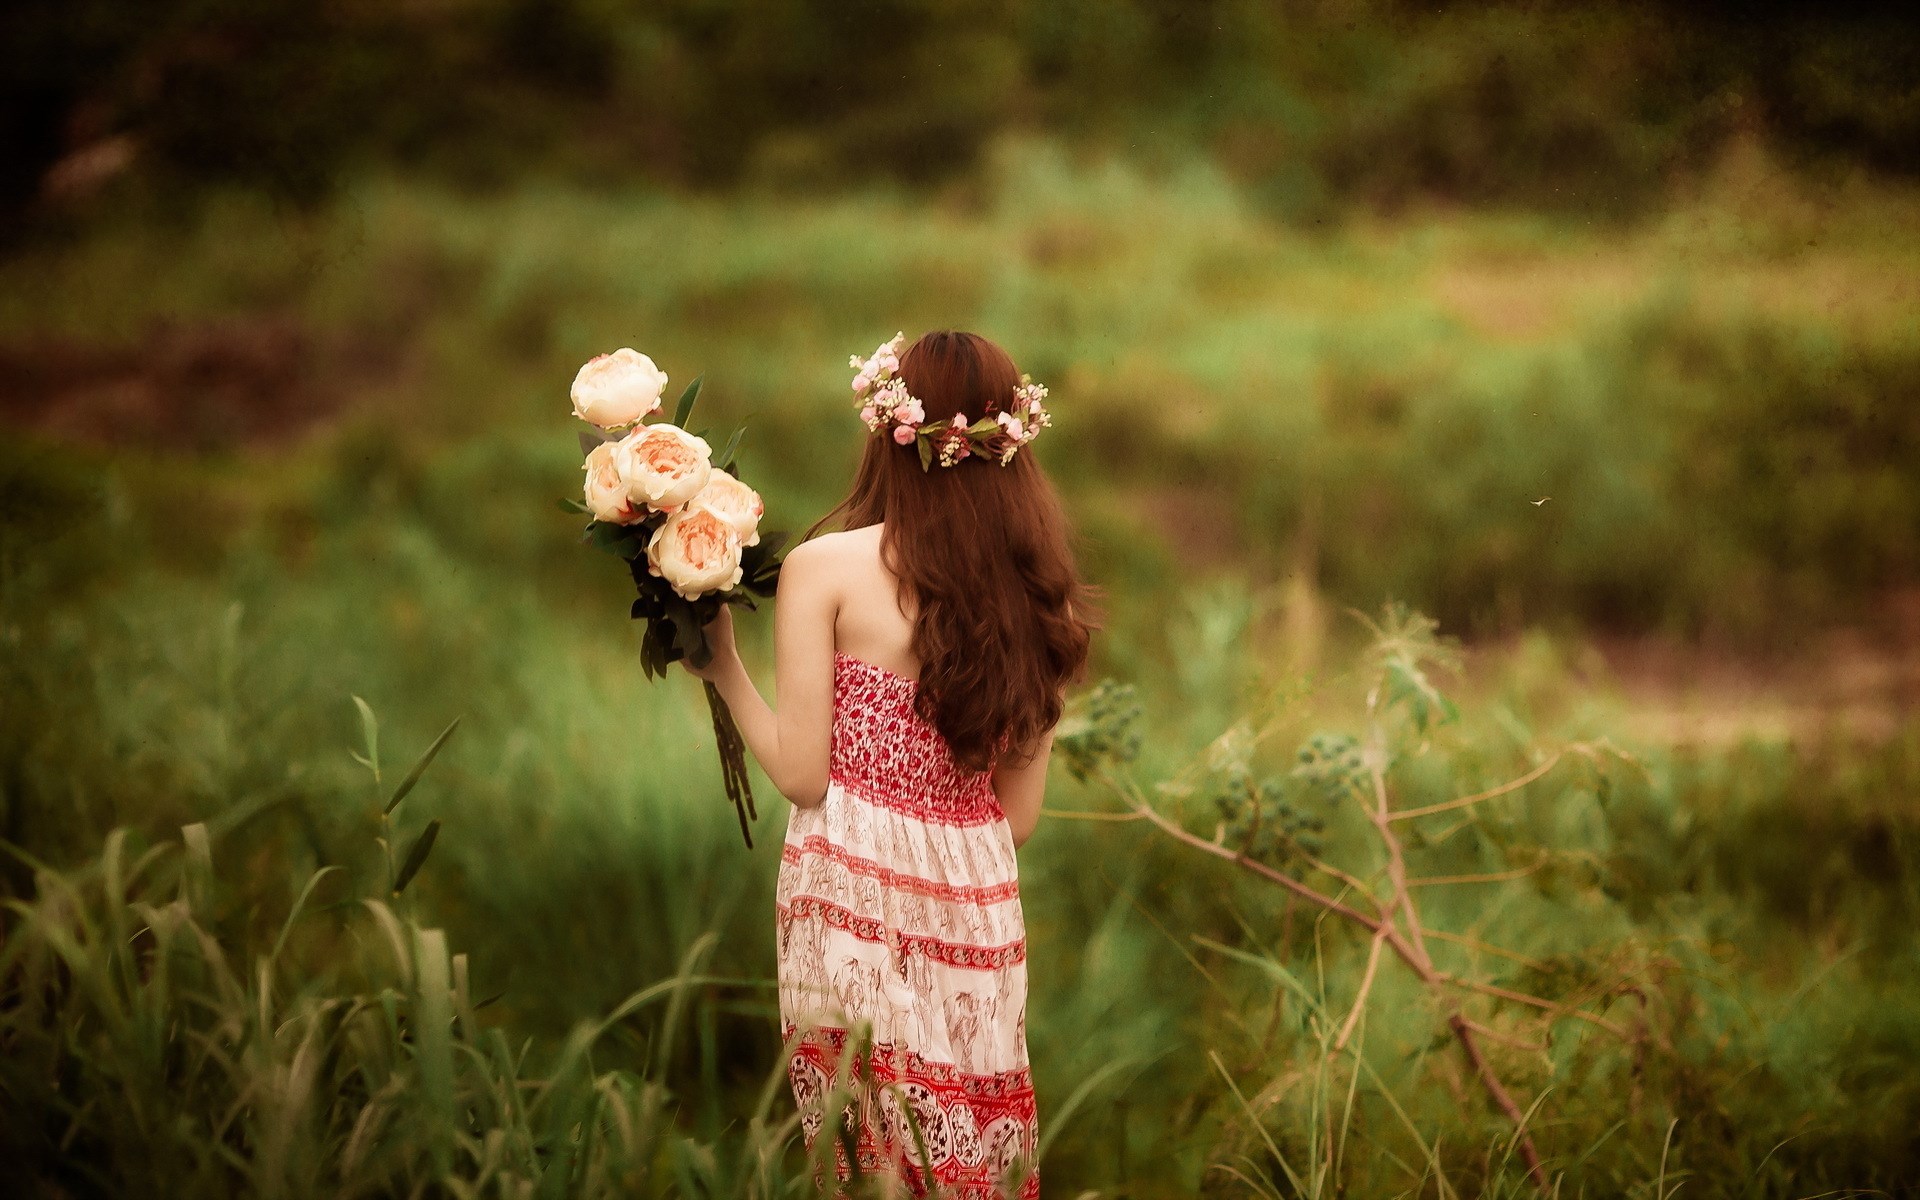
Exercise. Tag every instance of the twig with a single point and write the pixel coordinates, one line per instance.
(1449, 805)
(1398, 927)
(1366, 986)
(1068, 814)
(1460, 939)
(1565, 1010)
(1487, 877)
(1463, 1033)
(1329, 869)
(1489, 1031)
(1259, 868)
(1456, 1020)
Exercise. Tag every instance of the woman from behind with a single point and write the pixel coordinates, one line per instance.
(922, 654)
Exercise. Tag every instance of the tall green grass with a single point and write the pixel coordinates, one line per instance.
(1255, 425)
(586, 855)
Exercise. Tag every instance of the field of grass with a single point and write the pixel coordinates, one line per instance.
(259, 464)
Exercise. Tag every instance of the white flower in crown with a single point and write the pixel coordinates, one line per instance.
(1030, 399)
(953, 445)
(877, 369)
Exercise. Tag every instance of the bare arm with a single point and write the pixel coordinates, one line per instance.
(791, 745)
(1020, 787)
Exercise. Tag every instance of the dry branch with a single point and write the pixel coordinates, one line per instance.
(1399, 928)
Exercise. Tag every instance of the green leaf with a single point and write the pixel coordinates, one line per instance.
(416, 856)
(688, 637)
(627, 541)
(655, 645)
(684, 409)
(771, 543)
(413, 776)
(370, 731)
(725, 461)
(760, 565)
(926, 452)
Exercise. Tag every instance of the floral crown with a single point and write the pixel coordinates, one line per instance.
(888, 408)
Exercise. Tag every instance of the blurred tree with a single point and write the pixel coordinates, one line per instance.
(1316, 104)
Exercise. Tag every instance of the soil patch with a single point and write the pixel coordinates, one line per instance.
(191, 386)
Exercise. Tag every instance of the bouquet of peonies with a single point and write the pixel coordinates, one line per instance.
(689, 531)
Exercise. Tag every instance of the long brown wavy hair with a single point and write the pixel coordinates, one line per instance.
(1003, 619)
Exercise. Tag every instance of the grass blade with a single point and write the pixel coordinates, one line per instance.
(433, 1033)
(299, 906)
(370, 730)
(416, 856)
(419, 768)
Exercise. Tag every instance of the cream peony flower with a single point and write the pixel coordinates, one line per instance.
(664, 465)
(618, 389)
(735, 503)
(606, 488)
(697, 551)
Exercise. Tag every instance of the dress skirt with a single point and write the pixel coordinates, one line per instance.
(902, 955)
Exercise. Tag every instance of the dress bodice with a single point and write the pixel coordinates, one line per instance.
(887, 752)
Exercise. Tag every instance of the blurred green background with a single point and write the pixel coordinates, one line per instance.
(1591, 331)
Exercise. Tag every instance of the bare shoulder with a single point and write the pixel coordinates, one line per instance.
(820, 562)
(842, 549)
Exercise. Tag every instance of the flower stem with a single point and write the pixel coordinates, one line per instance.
(733, 761)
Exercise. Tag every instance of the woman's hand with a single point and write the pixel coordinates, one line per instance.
(719, 633)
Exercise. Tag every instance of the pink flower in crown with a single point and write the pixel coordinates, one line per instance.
(903, 434)
(959, 420)
(910, 413)
(1013, 426)
(871, 416)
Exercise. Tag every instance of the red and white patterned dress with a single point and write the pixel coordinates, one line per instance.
(899, 912)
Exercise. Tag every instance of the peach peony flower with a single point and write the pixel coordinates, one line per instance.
(664, 465)
(697, 551)
(606, 489)
(736, 503)
(614, 390)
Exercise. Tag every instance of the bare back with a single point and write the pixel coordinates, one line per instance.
(873, 620)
